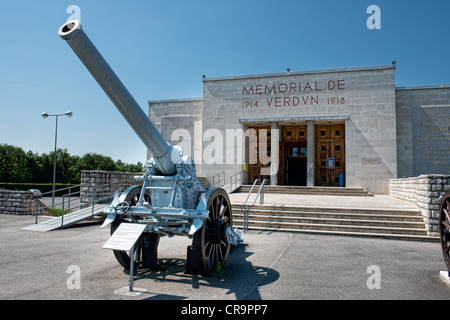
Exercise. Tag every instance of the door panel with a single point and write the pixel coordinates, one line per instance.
(330, 143)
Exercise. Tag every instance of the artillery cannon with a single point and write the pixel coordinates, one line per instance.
(444, 228)
(170, 199)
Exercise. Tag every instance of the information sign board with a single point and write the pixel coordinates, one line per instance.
(331, 164)
(125, 236)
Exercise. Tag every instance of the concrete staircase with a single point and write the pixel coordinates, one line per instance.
(392, 224)
(334, 191)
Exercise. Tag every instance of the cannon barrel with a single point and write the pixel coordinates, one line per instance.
(73, 34)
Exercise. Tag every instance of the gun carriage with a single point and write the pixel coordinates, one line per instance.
(444, 228)
(169, 199)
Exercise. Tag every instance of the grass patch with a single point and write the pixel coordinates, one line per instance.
(58, 212)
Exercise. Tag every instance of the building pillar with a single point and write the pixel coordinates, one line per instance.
(274, 153)
(311, 155)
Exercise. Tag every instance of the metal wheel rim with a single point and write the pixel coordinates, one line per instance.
(210, 245)
(444, 228)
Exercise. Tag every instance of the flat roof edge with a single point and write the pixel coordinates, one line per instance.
(175, 100)
(437, 86)
(283, 74)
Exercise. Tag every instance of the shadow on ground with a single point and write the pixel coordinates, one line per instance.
(239, 276)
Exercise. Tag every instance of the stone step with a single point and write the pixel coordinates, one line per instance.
(331, 227)
(337, 191)
(266, 209)
(369, 222)
(331, 215)
(347, 233)
(334, 220)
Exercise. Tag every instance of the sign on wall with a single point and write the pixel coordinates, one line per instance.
(331, 163)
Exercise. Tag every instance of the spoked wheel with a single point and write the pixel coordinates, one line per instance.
(131, 195)
(444, 228)
(210, 245)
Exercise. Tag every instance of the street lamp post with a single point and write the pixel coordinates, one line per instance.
(46, 115)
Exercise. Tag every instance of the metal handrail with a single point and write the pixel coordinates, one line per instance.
(92, 198)
(65, 188)
(236, 180)
(218, 176)
(246, 210)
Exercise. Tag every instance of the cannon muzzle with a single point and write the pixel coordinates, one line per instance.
(162, 153)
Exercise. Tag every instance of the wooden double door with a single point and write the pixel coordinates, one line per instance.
(330, 156)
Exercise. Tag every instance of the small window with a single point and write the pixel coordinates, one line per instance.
(323, 148)
(337, 132)
(337, 148)
(322, 133)
(288, 133)
(293, 151)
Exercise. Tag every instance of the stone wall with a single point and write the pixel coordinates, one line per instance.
(18, 202)
(178, 120)
(364, 97)
(103, 184)
(424, 191)
(423, 136)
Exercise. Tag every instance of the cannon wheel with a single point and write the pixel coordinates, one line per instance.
(444, 228)
(209, 245)
(131, 195)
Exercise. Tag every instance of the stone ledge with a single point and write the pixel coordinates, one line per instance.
(424, 191)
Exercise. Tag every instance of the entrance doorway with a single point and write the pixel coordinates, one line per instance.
(296, 171)
(330, 156)
(293, 153)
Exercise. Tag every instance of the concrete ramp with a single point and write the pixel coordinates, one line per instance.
(68, 219)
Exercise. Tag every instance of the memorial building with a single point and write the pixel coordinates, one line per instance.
(340, 127)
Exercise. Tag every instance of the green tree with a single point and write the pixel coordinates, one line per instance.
(14, 164)
(18, 167)
(94, 161)
(125, 167)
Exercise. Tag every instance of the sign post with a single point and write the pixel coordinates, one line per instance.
(132, 266)
(331, 164)
(124, 239)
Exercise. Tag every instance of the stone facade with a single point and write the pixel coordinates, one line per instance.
(390, 132)
(361, 98)
(103, 184)
(423, 130)
(185, 116)
(424, 191)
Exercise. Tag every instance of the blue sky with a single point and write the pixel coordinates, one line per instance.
(161, 49)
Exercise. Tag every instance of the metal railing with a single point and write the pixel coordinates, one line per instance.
(235, 181)
(218, 178)
(246, 209)
(49, 207)
(92, 198)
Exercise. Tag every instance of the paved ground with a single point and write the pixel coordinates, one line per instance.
(74, 202)
(266, 266)
(377, 201)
